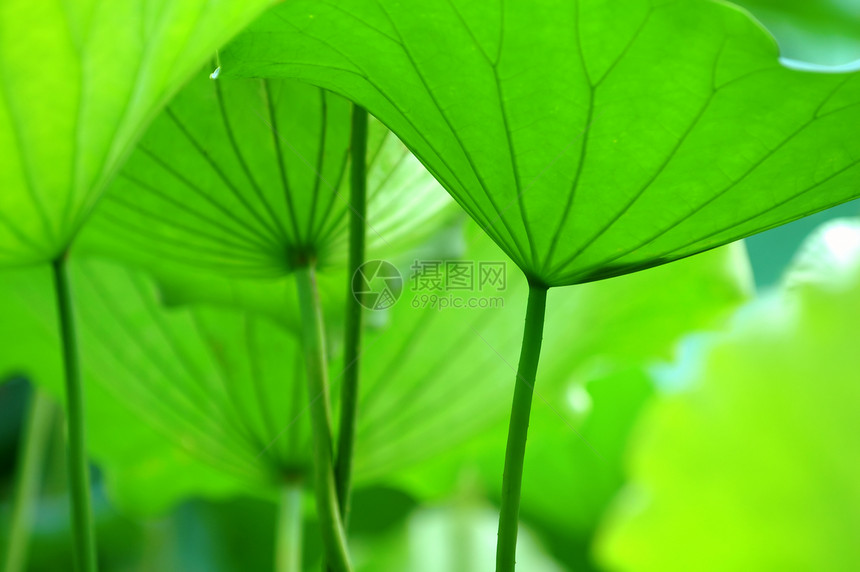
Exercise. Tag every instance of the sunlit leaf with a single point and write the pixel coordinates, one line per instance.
(746, 469)
(79, 81)
(588, 139)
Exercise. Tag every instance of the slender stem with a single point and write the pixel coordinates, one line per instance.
(333, 536)
(79, 481)
(31, 457)
(506, 550)
(288, 550)
(353, 319)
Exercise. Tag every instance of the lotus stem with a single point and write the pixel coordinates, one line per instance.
(288, 550)
(79, 478)
(31, 459)
(313, 338)
(512, 480)
(354, 314)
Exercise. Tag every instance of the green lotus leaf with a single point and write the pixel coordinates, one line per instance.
(141, 434)
(588, 139)
(80, 81)
(247, 179)
(745, 469)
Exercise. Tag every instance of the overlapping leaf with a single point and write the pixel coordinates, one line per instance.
(145, 433)
(249, 178)
(79, 81)
(747, 468)
(588, 138)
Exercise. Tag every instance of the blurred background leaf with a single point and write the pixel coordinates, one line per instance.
(128, 346)
(825, 32)
(455, 536)
(750, 466)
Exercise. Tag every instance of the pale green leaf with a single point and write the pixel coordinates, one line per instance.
(78, 82)
(751, 466)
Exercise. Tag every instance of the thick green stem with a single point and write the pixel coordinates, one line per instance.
(288, 550)
(506, 549)
(353, 319)
(79, 481)
(328, 512)
(31, 457)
